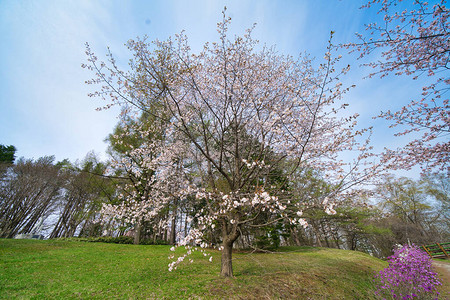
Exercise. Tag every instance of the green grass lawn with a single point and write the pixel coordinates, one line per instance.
(66, 269)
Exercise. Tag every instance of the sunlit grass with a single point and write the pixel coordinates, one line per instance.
(65, 269)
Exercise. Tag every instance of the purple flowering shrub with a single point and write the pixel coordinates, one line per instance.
(409, 275)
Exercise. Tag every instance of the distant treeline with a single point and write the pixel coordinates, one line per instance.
(65, 199)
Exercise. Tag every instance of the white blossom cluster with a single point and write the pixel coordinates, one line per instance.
(226, 208)
(328, 206)
(156, 178)
(195, 237)
(260, 164)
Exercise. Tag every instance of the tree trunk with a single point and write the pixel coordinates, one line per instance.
(173, 234)
(173, 227)
(230, 235)
(294, 235)
(137, 233)
(325, 236)
(317, 234)
(227, 263)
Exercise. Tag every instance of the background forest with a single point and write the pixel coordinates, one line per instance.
(63, 199)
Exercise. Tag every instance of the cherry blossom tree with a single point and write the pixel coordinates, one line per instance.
(247, 120)
(414, 40)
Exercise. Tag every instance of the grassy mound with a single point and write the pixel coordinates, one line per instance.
(64, 269)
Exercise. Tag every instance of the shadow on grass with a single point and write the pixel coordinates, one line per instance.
(300, 273)
(283, 249)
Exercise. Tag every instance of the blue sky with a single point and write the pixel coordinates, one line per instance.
(44, 107)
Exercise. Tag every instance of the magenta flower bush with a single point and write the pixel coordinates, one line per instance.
(408, 276)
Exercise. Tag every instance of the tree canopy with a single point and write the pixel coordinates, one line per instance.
(7, 153)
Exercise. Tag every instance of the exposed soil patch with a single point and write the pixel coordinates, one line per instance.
(443, 269)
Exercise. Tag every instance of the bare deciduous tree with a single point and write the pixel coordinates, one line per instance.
(28, 192)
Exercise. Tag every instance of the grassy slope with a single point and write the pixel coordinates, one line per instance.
(63, 269)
